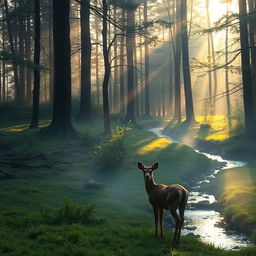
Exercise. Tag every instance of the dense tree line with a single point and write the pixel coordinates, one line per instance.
(112, 46)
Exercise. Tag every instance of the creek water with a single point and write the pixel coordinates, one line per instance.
(207, 224)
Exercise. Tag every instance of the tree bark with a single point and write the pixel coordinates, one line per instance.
(21, 27)
(130, 114)
(250, 125)
(227, 72)
(61, 121)
(85, 100)
(28, 57)
(190, 117)
(36, 90)
(122, 63)
(209, 61)
(177, 66)
(146, 81)
(107, 68)
(252, 32)
(14, 64)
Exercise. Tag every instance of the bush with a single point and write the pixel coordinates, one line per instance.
(110, 154)
(68, 213)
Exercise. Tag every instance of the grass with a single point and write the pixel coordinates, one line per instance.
(123, 223)
(214, 134)
(209, 128)
(237, 192)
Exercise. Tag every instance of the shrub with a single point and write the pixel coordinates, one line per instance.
(110, 153)
(68, 213)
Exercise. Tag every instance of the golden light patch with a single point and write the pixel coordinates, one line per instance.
(157, 144)
(22, 127)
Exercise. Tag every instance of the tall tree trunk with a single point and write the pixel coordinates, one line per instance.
(130, 115)
(97, 59)
(122, 63)
(211, 112)
(3, 65)
(106, 67)
(227, 72)
(136, 86)
(61, 122)
(142, 96)
(252, 32)
(85, 101)
(51, 61)
(115, 80)
(28, 57)
(250, 124)
(146, 83)
(14, 64)
(190, 116)
(163, 96)
(177, 66)
(21, 27)
(36, 90)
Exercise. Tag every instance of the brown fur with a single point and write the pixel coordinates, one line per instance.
(172, 198)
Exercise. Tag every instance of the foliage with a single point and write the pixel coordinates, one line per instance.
(69, 213)
(111, 153)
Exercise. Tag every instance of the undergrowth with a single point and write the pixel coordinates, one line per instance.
(68, 213)
(111, 153)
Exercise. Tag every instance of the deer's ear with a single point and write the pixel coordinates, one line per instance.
(141, 166)
(154, 166)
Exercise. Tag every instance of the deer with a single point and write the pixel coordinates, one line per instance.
(169, 197)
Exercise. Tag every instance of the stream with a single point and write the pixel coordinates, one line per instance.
(202, 220)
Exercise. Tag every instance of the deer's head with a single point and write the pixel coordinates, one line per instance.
(147, 170)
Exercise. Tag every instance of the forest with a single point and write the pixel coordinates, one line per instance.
(127, 127)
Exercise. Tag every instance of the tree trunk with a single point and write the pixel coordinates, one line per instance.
(107, 68)
(130, 115)
(136, 86)
(146, 84)
(226, 72)
(252, 32)
(122, 63)
(21, 27)
(209, 61)
(97, 60)
(51, 61)
(190, 117)
(14, 64)
(3, 65)
(61, 122)
(85, 100)
(36, 90)
(177, 67)
(115, 81)
(250, 125)
(28, 57)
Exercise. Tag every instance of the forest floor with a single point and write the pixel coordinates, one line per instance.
(46, 210)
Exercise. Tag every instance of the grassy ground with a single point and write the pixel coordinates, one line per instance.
(237, 190)
(122, 222)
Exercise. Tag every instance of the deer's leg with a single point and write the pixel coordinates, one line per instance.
(181, 211)
(155, 208)
(180, 224)
(177, 225)
(161, 214)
